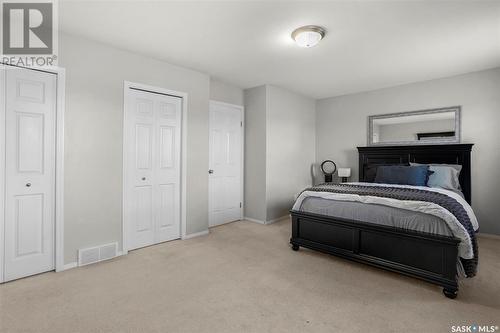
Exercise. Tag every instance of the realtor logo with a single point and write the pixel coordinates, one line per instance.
(27, 28)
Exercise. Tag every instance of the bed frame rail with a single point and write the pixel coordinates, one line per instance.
(432, 258)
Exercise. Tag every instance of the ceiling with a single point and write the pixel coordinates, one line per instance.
(369, 44)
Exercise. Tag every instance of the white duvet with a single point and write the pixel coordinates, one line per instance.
(465, 247)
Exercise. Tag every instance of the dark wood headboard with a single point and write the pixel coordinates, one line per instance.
(371, 157)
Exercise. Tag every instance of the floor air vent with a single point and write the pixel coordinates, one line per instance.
(95, 254)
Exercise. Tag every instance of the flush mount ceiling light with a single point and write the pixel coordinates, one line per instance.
(308, 36)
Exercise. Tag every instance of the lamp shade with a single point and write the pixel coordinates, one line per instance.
(344, 172)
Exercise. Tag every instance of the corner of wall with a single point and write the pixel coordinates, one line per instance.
(225, 92)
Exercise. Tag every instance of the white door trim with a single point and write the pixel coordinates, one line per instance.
(59, 196)
(242, 176)
(2, 171)
(127, 85)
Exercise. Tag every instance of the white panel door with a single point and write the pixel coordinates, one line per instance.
(225, 161)
(152, 131)
(140, 170)
(168, 167)
(2, 171)
(30, 118)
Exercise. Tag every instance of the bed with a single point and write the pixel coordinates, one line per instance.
(423, 246)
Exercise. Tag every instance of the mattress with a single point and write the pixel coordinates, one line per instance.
(412, 205)
(377, 214)
(423, 209)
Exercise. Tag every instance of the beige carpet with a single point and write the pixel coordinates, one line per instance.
(243, 277)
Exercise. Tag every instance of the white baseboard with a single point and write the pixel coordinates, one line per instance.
(278, 219)
(196, 234)
(266, 222)
(254, 220)
(75, 263)
(491, 236)
(69, 266)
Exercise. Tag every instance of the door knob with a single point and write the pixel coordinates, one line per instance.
(143, 178)
(210, 171)
(28, 185)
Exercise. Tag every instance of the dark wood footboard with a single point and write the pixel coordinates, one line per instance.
(432, 258)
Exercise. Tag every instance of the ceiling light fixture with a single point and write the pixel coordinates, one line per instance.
(308, 36)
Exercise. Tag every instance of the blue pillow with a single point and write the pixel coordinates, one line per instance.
(403, 175)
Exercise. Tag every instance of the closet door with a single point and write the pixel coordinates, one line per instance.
(167, 164)
(152, 140)
(30, 117)
(140, 203)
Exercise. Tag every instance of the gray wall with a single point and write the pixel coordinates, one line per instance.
(341, 124)
(223, 92)
(290, 148)
(255, 153)
(278, 134)
(279, 141)
(93, 138)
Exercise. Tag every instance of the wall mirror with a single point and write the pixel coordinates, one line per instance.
(435, 126)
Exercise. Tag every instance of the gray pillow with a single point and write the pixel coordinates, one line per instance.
(445, 176)
(457, 167)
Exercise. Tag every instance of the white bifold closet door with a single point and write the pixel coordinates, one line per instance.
(30, 141)
(153, 130)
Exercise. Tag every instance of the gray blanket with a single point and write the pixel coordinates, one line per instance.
(377, 214)
(446, 202)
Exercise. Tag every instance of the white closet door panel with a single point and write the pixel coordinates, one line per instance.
(30, 172)
(153, 174)
(225, 155)
(167, 205)
(144, 209)
(143, 146)
(28, 222)
(144, 106)
(30, 91)
(168, 124)
(167, 147)
(140, 219)
(30, 135)
(168, 109)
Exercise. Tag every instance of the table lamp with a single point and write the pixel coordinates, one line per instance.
(344, 173)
